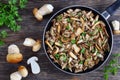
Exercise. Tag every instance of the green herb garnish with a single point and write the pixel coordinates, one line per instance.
(83, 33)
(112, 67)
(79, 14)
(82, 50)
(3, 34)
(96, 21)
(22, 3)
(81, 62)
(59, 17)
(57, 56)
(63, 57)
(9, 16)
(68, 27)
(73, 41)
(2, 43)
(68, 20)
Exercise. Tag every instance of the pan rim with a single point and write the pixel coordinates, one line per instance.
(80, 6)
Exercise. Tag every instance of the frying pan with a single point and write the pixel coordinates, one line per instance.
(102, 16)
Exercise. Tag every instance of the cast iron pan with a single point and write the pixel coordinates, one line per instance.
(104, 16)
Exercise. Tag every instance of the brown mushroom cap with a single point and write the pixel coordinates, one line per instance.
(14, 58)
(23, 71)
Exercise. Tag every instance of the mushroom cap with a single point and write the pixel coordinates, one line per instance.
(34, 58)
(38, 16)
(14, 58)
(15, 76)
(36, 46)
(23, 71)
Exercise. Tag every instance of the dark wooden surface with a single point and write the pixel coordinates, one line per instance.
(32, 28)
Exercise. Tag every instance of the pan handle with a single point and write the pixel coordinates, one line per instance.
(111, 9)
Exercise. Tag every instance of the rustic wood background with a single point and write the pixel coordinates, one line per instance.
(32, 28)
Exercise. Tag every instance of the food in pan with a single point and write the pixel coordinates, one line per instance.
(77, 40)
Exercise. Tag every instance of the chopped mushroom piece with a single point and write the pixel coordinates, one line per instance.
(76, 48)
(72, 55)
(49, 44)
(79, 31)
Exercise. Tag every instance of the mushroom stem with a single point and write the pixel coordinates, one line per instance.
(45, 9)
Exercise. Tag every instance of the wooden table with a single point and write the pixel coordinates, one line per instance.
(32, 28)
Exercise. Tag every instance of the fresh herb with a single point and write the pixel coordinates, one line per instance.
(112, 67)
(99, 29)
(22, 3)
(93, 50)
(96, 21)
(9, 16)
(57, 56)
(2, 43)
(89, 44)
(83, 33)
(81, 62)
(59, 17)
(68, 20)
(82, 50)
(73, 41)
(60, 42)
(79, 14)
(68, 27)
(3, 34)
(63, 57)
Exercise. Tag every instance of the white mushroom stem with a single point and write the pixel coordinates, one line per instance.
(75, 48)
(14, 55)
(44, 10)
(13, 49)
(116, 25)
(15, 76)
(29, 42)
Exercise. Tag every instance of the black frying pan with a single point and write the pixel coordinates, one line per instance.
(104, 16)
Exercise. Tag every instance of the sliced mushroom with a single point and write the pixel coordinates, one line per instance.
(100, 56)
(101, 34)
(78, 32)
(83, 23)
(73, 36)
(80, 41)
(56, 50)
(49, 44)
(63, 39)
(75, 19)
(70, 59)
(75, 48)
(64, 65)
(73, 55)
(97, 23)
(58, 44)
(58, 28)
(88, 14)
